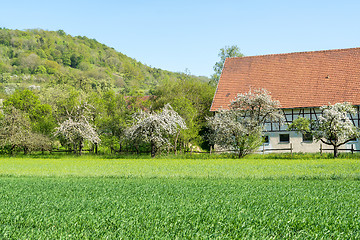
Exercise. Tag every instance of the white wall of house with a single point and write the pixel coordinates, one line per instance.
(276, 134)
(296, 140)
(298, 144)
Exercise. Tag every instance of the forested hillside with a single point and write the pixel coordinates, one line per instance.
(46, 58)
(48, 78)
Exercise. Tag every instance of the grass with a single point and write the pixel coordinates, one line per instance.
(155, 208)
(102, 197)
(248, 168)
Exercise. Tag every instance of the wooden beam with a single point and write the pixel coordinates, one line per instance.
(358, 116)
(285, 116)
(315, 115)
(352, 119)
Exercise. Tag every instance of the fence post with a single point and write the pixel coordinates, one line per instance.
(263, 148)
(291, 150)
(210, 149)
(352, 148)
(321, 149)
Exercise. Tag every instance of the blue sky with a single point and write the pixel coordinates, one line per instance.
(188, 34)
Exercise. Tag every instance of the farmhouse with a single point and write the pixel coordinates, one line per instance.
(302, 82)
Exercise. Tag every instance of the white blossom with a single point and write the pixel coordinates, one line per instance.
(234, 133)
(240, 127)
(334, 126)
(257, 106)
(154, 128)
(76, 131)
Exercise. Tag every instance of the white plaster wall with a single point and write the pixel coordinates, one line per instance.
(298, 144)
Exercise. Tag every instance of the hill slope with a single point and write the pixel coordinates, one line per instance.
(39, 58)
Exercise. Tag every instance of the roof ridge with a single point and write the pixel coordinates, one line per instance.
(298, 53)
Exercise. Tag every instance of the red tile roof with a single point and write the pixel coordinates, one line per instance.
(304, 79)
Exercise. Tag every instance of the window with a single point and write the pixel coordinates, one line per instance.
(284, 138)
(266, 139)
(307, 137)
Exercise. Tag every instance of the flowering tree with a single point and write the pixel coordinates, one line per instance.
(256, 107)
(15, 132)
(240, 127)
(231, 132)
(333, 126)
(75, 132)
(76, 129)
(156, 128)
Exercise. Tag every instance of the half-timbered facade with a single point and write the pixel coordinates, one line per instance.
(302, 82)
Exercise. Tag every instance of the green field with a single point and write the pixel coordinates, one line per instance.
(250, 168)
(98, 198)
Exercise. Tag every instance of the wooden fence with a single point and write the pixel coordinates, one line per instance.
(263, 150)
(70, 151)
(352, 149)
(290, 149)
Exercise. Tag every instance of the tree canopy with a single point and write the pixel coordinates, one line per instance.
(156, 128)
(16, 133)
(226, 52)
(240, 127)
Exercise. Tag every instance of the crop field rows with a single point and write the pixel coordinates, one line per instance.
(40, 204)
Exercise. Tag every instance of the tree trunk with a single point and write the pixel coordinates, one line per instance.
(12, 149)
(242, 148)
(175, 143)
(80, 147)
(153, 150)
(241, 154)
(336, 152)
(137, 149)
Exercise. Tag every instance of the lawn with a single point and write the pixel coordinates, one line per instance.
(248, 168)
(101, 198)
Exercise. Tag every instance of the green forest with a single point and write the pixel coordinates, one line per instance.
(48, 77)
